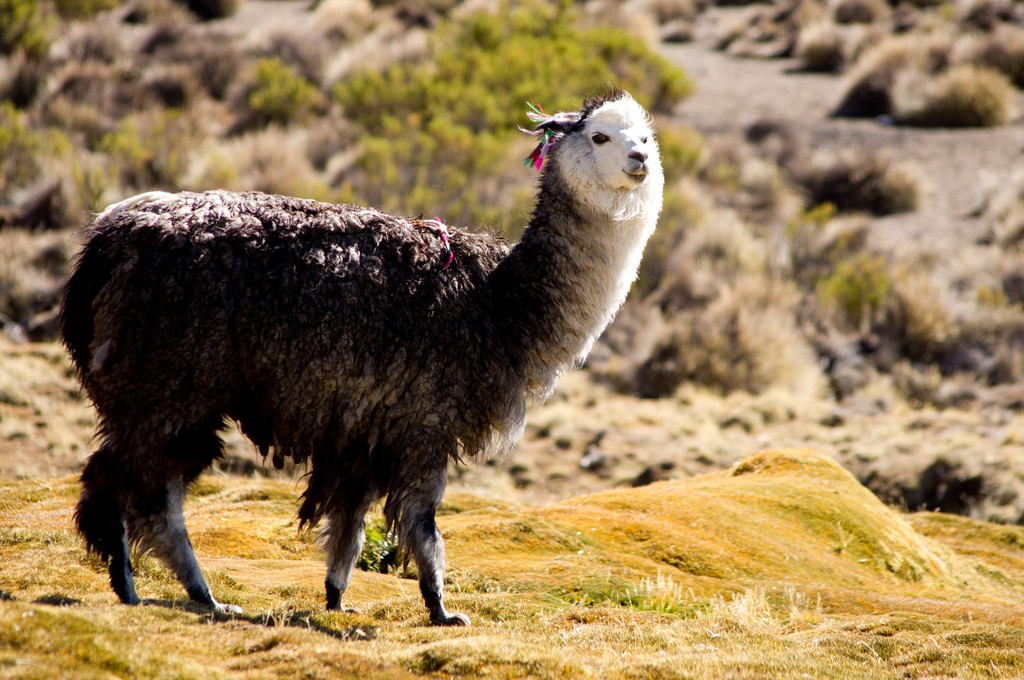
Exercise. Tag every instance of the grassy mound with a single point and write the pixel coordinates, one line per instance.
(780, 567)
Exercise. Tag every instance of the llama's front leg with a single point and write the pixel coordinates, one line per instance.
(345, 537)
(163, 531)
(418, 531)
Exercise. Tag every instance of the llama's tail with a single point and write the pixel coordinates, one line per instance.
(92, 272)
(90, 275)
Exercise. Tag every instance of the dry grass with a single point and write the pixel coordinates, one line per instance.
(782, 567)
(45, 423)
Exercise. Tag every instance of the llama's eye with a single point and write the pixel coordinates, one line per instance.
(643, 140)
(600, 138)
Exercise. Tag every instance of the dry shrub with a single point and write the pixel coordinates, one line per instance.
(745, 175)
(719, 249)
(82, 121)
(869, 85)
(264, 160)
(101, 41)
(1003, 210)
(344, 20)
(164, 12)
(304, 51)
(33, 268)
(819, 47)
(1009, 271)
(860, 181)
(990, 345)
(628, 341)
(630, 16)
(817, 242)
(988, 15)
(860, 11)
(746, 339)
(770, 31)
(925, 385)
(388, 43)
(22, 79)
(212, 9)
(1002, 51)
(964, 96)
(215, 60)
(173, 86)
(684, 207)
(666, 11)
(919, 318)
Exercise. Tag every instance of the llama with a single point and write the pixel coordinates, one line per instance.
(371, 347)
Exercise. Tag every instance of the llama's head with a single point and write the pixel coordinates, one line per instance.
(607, 154)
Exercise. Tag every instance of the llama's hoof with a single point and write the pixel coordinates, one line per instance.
(450, 620)
(343, 610)
(222, 608)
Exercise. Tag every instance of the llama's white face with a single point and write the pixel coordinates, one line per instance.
(614, 156)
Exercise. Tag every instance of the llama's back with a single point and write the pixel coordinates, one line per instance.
(285, 314)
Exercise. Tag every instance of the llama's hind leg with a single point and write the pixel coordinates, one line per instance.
(418, 531)
(100, 518)
(345, 537)
(162, 530)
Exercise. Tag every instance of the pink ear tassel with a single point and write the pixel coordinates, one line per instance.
(537, 156)
(441, 229)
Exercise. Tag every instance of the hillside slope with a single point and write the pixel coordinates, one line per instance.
(783, 566)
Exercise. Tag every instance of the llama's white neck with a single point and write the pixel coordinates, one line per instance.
(570, 273)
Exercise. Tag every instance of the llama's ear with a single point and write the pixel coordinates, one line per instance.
(548, 127)
(560, 123)
(553, 123)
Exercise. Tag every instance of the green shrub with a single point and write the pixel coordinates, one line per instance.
(434, 132)
(19, 147)
(380, 551)
(24, 25)
(83, 9)
(280, 95)
(682, 149)
(151, 148)
(858, 288)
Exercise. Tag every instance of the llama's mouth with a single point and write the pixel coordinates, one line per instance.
(638, 173)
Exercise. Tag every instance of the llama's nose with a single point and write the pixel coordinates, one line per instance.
(638, 156)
